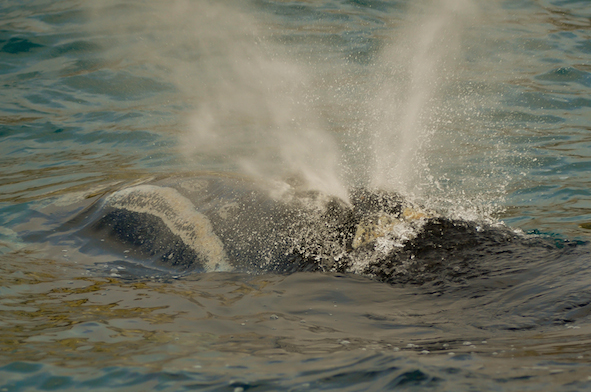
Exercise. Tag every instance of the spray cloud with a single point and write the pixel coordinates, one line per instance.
(251, 103)
(411, 74)
(253, 108)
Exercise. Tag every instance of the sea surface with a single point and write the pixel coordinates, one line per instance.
(477, 110)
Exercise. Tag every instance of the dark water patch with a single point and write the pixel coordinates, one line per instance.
(561, 3)
(76, 48)
(84, 65)
(38, 99)
(518, 4)
(377, 5)
(54, 383)
(355, 46)
(119, 86)
(132, 271)
(375, 373)
(414, 378)
(28, 75)
(536, 45)
(567, 75)
(18, 45)
(21, 367)
(47, 133)
(567, 17)
(323, 25)
(513, 116)
(65, 17)
(549, 192)
(545, 101)
(305, 12)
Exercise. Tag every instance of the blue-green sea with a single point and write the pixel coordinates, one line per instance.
(477, 111)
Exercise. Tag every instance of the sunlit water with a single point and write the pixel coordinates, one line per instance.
(478, 110)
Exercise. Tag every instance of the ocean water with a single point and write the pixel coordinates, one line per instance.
(476, 111)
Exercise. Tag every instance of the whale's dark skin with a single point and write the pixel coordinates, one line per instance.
(252, 227)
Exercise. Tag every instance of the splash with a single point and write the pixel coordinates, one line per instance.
(256, 110)
(253, 108)
(249, 102)
(412, 72)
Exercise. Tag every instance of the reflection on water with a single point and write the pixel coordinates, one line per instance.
(222, 329)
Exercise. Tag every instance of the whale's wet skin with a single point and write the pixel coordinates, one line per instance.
(210, 223)
(270, 195)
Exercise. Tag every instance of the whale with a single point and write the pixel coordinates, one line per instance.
(215, 222)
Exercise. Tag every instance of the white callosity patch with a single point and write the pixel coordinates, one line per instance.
(374, 227)
(386, 233)
(180, 216)
(386, 226)
(226, 210)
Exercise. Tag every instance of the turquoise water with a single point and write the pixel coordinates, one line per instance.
(478, 110)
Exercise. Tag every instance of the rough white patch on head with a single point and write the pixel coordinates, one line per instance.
(226, 210)
(180, 216)
(386, 233)
(373, 228)
(389, 229)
